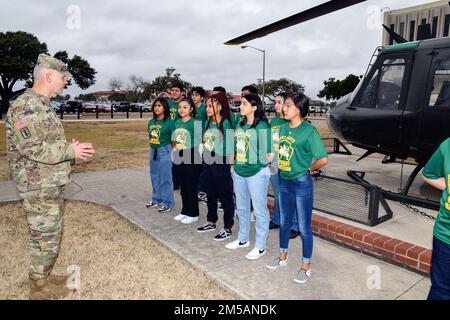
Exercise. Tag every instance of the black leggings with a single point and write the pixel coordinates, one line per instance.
(187, 174)
(219, 185)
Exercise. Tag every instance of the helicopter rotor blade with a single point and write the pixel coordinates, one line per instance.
(397, 38)
(320, 10)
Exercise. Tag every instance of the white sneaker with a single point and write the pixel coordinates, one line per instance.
(188, 220)
(255, 253)
(180, 217)
(236, 244)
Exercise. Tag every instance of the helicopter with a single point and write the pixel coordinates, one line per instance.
(401, 106)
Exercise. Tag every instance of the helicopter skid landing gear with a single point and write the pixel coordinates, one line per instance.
(401, 196)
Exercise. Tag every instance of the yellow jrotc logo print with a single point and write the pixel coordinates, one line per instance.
(285, 153)
(276, 137)
(154, 133)
(173, 113)
(447, 204)
(210, 139)
(242, 145)
(181, 138)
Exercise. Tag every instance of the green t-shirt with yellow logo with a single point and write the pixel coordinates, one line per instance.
(187, 134)
(298, 147)
(215, 140)
(173, 110)
(275, 125)
(251, 146)
(160, 132)
(201, 113)
(439, 167)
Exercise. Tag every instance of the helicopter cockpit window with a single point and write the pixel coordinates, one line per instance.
(390, 87)
(440, 95)
(370, 91)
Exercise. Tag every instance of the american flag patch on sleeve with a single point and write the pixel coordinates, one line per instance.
(20, 124)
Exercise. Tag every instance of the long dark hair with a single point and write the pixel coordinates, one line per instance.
(301, 101)
(224, 112)
(165, 105)
(192, 105)
(260, 115)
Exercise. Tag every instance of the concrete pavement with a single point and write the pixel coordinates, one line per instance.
(338, 273)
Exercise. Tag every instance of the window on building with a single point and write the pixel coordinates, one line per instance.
(446, 25)
(434, 27)
(402, 29)
(412, 30)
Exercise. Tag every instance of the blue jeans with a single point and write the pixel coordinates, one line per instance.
(275, 180)
(254, 188)
(161, 176)
(440, 271)
(296, 199)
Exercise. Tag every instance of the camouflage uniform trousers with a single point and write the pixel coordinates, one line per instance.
(44, 211)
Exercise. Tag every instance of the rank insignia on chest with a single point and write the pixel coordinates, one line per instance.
(25, 133)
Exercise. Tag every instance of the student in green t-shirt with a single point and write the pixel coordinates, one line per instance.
(437, 174)
(160, 129)
(275, 124)
(253, 152)
(197, 95)
(218, 150)
(176, 94)
(187, 160)
(301, 151)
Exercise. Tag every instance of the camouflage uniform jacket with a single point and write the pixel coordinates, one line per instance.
(38, 153)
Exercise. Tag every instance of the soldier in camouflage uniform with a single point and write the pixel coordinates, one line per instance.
(40, 157)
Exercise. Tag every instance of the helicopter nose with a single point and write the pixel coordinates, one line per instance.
(334, 121)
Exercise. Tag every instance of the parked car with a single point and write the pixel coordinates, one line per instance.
(104, 107)
(269, 107)
(136, 107)
(235, 107)
(122, 106)
(73, 106)
(88, 107)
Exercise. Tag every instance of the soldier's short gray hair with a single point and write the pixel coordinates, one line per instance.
(39, 71)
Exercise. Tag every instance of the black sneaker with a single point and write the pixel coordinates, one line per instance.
(201, 196)
(164, 209)
(223, 235)
(273, 225)
(151, 204)
(207, 227)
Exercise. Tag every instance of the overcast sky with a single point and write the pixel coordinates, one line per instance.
(120, 38)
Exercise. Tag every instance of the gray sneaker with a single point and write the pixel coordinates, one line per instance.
(275, 264)
(302, 276)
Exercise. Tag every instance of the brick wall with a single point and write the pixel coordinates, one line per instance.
(397, 252)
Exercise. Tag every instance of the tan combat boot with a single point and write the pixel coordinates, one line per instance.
(57, 279)
(44, 289)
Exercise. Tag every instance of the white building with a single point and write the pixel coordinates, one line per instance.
(406, 21)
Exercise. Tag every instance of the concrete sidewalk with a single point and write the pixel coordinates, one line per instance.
(338, 273)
